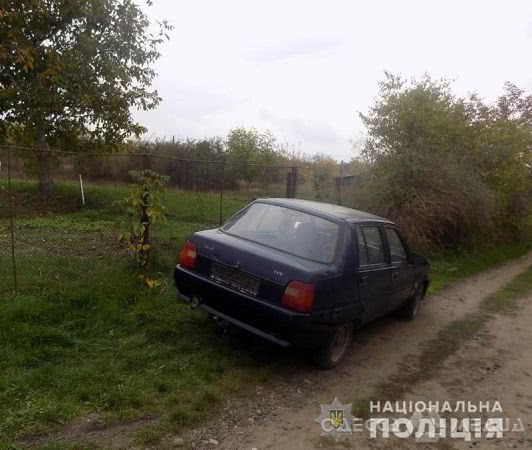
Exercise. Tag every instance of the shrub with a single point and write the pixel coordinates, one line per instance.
(430, 200)
(449, 170)
(145, 206)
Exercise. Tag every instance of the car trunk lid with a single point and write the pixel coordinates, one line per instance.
(251, 268)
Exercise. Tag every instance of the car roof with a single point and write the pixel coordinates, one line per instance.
(328, 209)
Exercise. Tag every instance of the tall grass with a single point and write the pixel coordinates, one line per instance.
(84, 335)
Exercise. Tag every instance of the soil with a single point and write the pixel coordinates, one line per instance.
(495, 366)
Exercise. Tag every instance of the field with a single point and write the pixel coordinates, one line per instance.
(85, 336)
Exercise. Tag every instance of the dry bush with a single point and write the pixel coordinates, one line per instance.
(435, 202)
(450, 170)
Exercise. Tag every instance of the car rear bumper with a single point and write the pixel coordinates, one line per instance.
(270, 322)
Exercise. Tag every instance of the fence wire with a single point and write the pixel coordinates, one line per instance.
(211, 190)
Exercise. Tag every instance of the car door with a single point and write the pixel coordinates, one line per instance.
(403, 273)
(373, 271)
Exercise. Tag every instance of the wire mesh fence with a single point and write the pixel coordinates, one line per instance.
(84, 213)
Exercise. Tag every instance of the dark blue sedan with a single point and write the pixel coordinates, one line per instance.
(302, 273)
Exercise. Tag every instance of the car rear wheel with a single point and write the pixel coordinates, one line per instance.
(334, 351)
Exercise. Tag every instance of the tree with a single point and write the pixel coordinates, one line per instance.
(71, 70)
(414, 118)
(250, 146)
(504, 135)
(448, 169)
(324, 172)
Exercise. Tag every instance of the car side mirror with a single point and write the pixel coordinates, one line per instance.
(413, 258)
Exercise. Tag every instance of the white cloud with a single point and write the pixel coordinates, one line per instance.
(303, 68)
(306, 132)
(275, 51)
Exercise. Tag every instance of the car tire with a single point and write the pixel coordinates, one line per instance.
(410, 309)
(331, 354)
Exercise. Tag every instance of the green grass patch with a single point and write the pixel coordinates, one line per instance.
(74, 223)
(504, 300)
(449, 267)
(202, 207)
(149, 436)
(60, 444)
(84, 335)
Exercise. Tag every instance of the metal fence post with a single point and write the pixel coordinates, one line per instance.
(341, 186)
(222, 182)
(11, 214)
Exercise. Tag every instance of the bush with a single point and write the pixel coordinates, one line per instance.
(429, 200)
(449, 170)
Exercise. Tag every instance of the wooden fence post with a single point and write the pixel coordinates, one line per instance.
(294, 182)
(291, 183)
(288, 190)
(341, 186)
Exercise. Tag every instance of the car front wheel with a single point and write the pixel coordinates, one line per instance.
(334, 351)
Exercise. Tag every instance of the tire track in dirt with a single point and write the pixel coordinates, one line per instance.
(281, 415)
(496, 366)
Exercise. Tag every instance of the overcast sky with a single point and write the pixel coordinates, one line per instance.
(303, 69)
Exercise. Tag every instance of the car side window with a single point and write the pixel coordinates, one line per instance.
(374, 244)
(397, 249)
(363, 259)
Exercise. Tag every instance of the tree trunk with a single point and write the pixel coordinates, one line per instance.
(44, 169)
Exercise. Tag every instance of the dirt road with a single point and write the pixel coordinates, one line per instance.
(497, 365)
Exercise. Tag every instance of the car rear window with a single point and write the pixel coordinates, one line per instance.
(286, 229)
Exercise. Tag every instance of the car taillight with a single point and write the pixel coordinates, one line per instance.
(188, 255)
(298, 296)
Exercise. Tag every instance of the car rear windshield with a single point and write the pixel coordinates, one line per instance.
(286, 229)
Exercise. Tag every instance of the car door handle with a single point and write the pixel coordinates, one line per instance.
(363, 279)
(395, 275)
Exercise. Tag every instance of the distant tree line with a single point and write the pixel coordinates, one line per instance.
(245, 158)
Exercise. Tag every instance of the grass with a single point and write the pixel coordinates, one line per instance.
(505, 300)
(449, 267)
(104, 198)
(148, 436)
(446, 343)
(84, 335)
